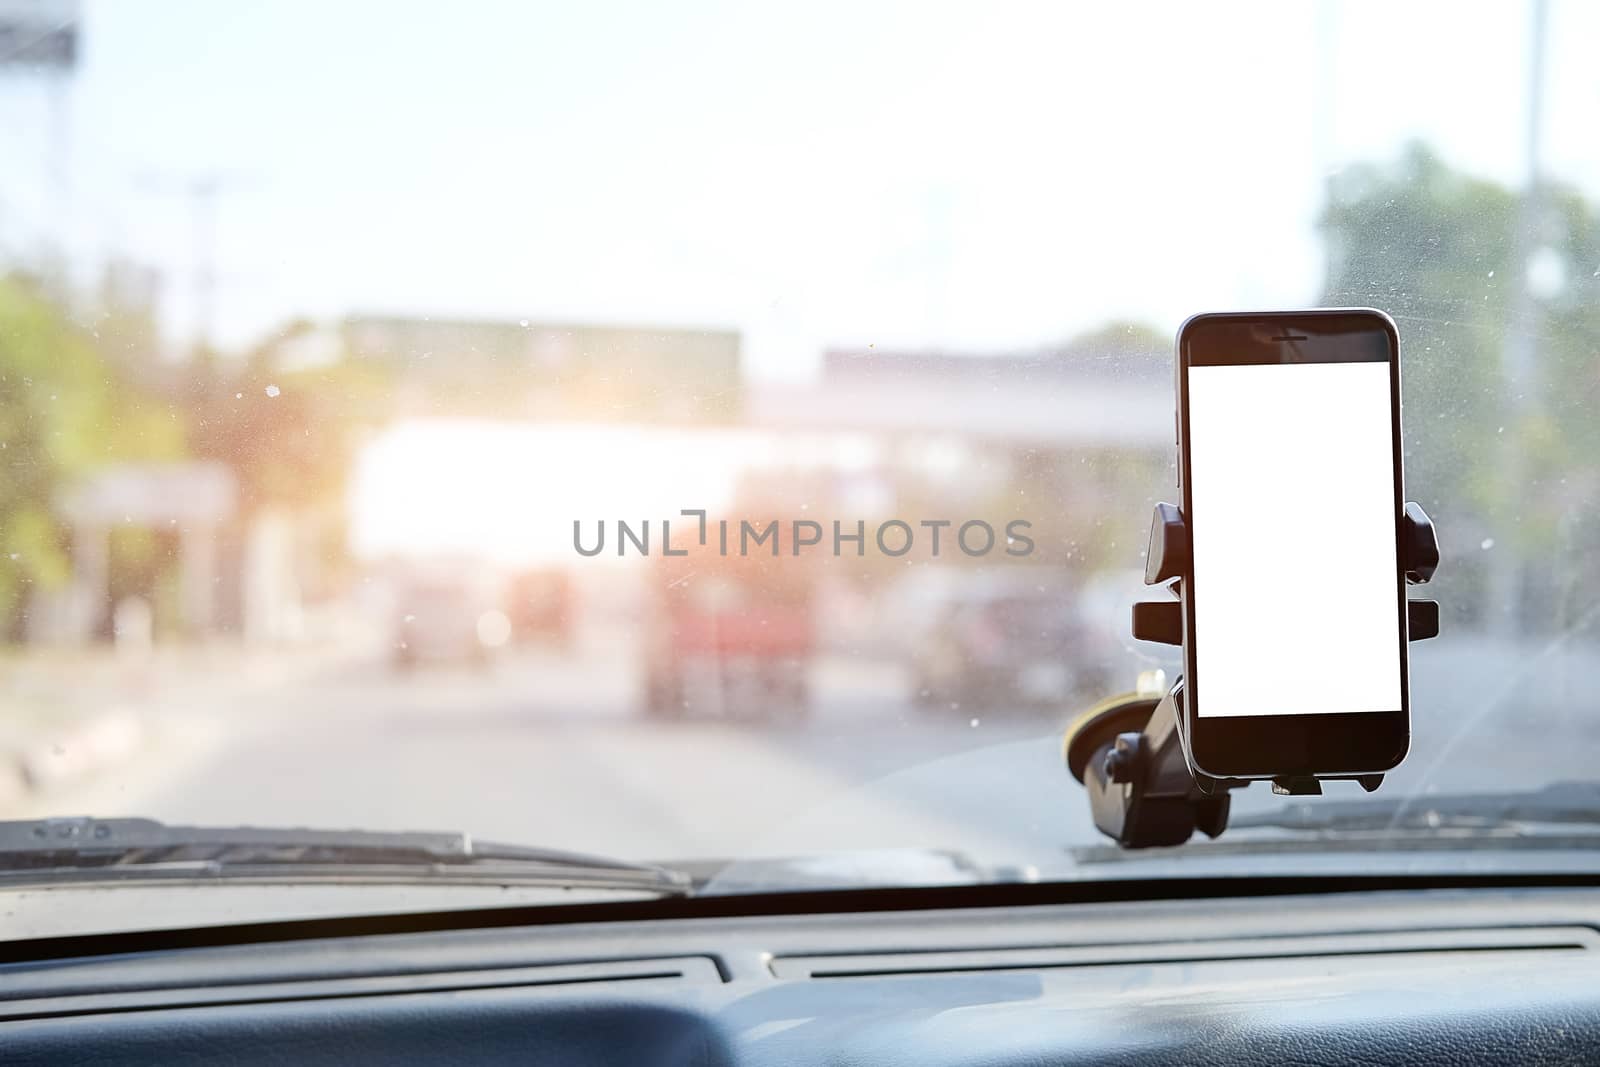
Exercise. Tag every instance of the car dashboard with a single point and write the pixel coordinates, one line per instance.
(1420, 976)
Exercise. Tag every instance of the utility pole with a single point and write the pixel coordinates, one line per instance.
(1324, 115)
(201, 192)
(1519, 355)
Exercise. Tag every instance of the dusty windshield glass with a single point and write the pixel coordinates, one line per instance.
(699, 432)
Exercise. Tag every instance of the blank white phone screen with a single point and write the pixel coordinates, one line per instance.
(1292, 505)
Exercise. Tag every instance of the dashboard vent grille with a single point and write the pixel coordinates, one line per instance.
(1386, 943)
(81, 1001)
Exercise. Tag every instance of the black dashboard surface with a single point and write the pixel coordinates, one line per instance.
(1416, 977)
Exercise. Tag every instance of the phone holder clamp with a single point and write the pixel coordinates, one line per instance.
(1128, 750)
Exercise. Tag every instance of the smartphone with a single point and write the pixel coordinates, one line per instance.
(1288, 430)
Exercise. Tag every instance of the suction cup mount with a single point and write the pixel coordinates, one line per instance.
(1128, 750)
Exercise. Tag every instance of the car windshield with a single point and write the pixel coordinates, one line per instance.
(725, 436)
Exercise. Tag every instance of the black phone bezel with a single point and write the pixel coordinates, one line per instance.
(1277, 745)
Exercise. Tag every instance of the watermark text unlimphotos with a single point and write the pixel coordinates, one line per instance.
(775, 537)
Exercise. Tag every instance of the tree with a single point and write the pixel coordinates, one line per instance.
(1435, 248)
(63, 410)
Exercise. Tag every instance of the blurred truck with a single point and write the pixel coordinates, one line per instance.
(729, 635)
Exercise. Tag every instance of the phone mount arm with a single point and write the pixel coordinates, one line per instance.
(1128, 751)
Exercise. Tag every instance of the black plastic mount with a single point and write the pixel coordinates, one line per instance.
(1168, 561)
(1128, 751)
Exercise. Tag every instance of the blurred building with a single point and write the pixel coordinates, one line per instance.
(232, 574)
(547, 370)
(1073, 397)
(1076, 439)
(191, 503)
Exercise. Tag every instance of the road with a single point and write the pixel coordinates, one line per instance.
(549, 748)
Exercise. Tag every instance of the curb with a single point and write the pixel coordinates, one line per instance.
(76, 751)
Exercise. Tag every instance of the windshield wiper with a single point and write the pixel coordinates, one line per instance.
(77, 850)
(1558, 803)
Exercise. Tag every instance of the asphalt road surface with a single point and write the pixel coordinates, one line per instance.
(549, 748)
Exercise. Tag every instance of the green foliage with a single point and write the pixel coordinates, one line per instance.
(63, 411)
(1436, 248)
(1124, 349)
(1433, 248)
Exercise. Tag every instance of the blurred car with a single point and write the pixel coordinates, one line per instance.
(539, 605)
(994, 644)
(446, 619)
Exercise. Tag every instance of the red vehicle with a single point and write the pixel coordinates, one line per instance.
(730, 635)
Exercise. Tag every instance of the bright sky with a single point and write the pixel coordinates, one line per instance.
(975, 175)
